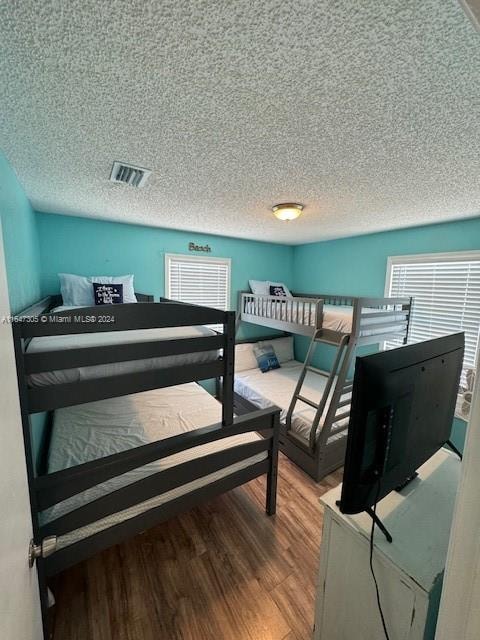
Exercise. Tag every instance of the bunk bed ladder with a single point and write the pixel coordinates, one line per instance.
(339, 407)
(339, 363)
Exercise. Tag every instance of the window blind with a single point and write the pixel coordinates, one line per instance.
(198, 280)
(446, 299)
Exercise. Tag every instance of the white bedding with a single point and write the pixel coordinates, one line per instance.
(52, 343)
(276, 387)
(90, 431)
(335, 317)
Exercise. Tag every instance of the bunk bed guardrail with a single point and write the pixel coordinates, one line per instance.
(126, 317)
(303, 314)
(299, 314)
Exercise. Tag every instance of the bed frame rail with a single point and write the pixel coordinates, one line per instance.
(300, 314)
(374, 319)
(125, 317)
(59, 486)
(380, 319)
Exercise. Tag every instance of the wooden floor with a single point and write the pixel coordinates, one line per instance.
(222, 571)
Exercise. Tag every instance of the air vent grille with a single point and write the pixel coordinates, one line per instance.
(128, 174)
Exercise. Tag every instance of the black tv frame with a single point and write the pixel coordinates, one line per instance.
(391, 387)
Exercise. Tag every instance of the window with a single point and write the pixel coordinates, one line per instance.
(446, 292)
(198, 280)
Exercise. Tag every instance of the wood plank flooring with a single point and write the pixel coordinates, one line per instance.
(224, 571)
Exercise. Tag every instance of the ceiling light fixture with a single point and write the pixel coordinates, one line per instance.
(287, 211)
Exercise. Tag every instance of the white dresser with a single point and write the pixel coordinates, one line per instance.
(409, 571)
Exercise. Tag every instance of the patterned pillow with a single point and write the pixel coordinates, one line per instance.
(277, 290)
(266, 358)
(107, 293)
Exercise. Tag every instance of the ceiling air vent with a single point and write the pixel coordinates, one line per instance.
(128, 174)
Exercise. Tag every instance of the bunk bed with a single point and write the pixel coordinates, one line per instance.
(131, 447)
(315, 403)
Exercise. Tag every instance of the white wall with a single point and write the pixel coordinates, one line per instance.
(459, 617)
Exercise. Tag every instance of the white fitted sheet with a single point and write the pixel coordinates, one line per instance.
(97, 429)
(52, 343)
(335, 317)
(276, 387)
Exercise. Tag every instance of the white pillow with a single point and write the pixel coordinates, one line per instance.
(283, 348)
(278, 284)
(244, 357)
(77, 291)
(259, 287)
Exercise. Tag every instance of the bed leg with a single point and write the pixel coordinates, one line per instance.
(271, 503)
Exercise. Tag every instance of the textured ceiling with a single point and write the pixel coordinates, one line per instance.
(367, 112)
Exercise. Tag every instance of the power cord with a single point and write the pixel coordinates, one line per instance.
(371, 562)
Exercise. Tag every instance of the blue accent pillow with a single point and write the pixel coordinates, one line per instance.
(107, 293)
(266, 358)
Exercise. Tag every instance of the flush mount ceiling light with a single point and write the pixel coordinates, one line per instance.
(287, 211)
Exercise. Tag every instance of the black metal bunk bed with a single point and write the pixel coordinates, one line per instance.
(54, 488)
(346, 323)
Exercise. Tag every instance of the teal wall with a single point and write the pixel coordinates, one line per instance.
(93, 247)
(20, 240)
(22, 258)
(357, 266)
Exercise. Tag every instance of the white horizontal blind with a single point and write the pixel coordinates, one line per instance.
(198, 280)
(446, 296)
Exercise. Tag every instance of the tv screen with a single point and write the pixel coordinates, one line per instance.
(403, 404)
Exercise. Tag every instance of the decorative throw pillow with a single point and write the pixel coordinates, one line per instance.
(266, 358)
(107, 293)
(277, 290)
(280, 284)
(127, 282)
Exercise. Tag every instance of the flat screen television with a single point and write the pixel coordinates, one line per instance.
(403, 404)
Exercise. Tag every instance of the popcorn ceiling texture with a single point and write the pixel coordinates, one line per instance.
(367, 112)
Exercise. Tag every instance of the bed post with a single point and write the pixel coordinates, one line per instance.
(229, 368)
(410, 309)
(271, 502)
(239, 310)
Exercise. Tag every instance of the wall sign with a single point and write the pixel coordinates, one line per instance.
(199, 247)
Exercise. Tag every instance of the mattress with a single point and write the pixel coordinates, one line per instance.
(337, 318)
(277, 387)
(97, 429)
(53, 343)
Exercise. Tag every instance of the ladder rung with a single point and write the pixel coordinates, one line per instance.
(320, 372)
(338, 429)
(326, 341)
(341, 416)
(344, 403)
(307, 401)
(347, 389)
